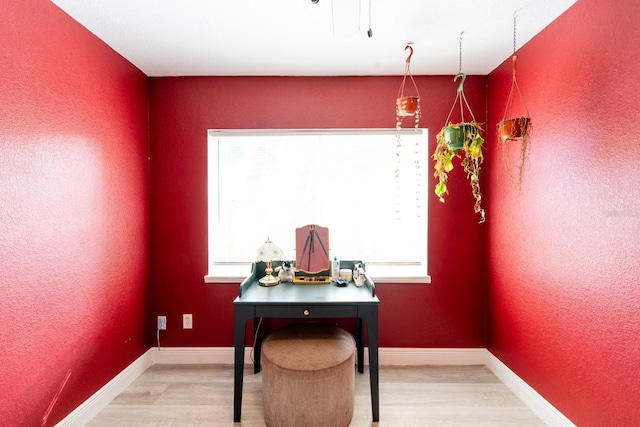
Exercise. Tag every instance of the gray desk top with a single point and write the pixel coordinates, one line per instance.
(289, 293)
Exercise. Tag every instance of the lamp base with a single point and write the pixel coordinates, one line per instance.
(268, 280)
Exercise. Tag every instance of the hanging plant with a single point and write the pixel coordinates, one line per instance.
(515, 128)
(460, 140)
(407, 106)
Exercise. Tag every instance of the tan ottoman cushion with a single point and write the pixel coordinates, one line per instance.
(308, 376)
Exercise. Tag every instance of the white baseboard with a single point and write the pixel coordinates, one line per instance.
(538, 404)
(387, 357)
(197, 355)
(100, 399)
(429, 356)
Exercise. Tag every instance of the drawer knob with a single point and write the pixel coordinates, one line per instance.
(306, 312)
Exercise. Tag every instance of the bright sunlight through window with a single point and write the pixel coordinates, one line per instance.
(367, 186)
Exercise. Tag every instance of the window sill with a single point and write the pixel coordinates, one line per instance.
(402, 279)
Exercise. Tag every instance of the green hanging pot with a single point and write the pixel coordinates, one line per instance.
(455, 135)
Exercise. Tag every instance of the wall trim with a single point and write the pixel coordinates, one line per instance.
(429, 356)
(100, 399)
(388, 357)
(197, 355)
(538, 404)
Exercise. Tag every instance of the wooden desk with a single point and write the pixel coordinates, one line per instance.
(305, 301)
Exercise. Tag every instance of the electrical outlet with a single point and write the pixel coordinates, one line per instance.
(187, 321)
(162, 323)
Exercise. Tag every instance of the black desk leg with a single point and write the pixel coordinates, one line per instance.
(241, 316)
(360, 344)
(371, 317)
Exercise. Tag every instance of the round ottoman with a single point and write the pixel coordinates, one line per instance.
(308, 376)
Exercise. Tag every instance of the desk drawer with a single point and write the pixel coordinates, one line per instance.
(306, 311)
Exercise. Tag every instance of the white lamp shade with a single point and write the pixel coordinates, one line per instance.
(269, 251)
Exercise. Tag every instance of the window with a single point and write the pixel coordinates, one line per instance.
(366, 186)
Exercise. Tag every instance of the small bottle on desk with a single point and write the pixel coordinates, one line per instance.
(335, 269)
(360, 280)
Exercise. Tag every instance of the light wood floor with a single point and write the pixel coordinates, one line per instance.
(194, 395)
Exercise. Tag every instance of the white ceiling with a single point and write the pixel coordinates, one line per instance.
(296, 37)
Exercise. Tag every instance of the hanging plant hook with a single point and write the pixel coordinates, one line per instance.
(461, 85)
(410, 53)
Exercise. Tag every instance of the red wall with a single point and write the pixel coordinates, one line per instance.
(447, 313)
(73, 214)
(563, 258)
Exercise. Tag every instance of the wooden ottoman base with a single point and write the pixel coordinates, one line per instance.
(308, 376)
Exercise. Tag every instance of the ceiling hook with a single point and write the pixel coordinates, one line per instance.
(410, 53)
(460, 86)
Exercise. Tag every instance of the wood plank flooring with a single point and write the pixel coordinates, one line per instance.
(198, 395)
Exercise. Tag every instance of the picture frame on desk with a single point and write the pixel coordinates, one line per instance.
(312, 249)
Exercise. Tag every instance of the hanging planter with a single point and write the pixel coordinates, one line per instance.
(456, 135)
(462, 140)
(408, 105)
(515, 128)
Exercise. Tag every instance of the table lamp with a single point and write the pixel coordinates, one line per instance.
(269, 252)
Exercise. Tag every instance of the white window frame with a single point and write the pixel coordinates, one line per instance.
(398, 271)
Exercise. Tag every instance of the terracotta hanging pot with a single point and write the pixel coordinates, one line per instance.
(407, 106)
(513, 129)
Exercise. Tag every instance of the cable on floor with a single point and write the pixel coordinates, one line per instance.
(255, 337)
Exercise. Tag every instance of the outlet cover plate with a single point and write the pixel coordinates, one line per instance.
(187, 321)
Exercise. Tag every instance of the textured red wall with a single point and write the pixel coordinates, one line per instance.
(73, 214)
(447, 313)
(563, 258)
